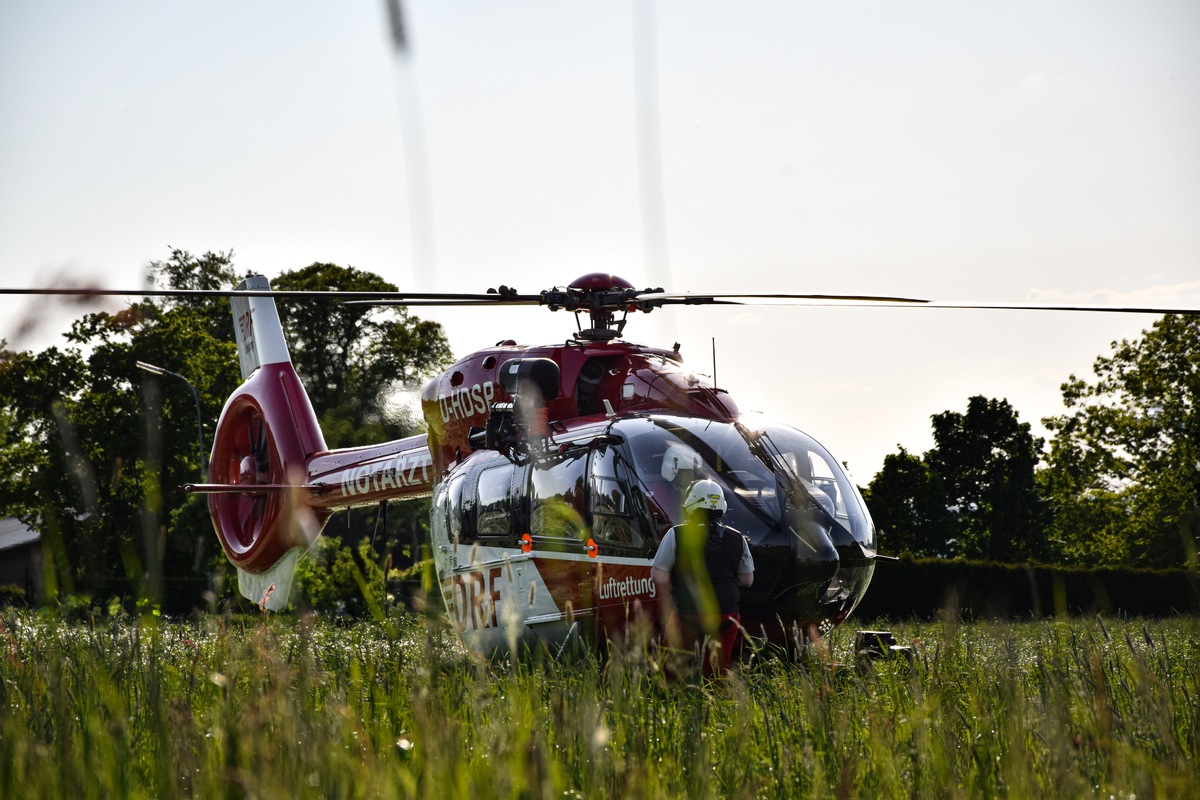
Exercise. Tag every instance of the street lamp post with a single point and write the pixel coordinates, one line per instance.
(156, 370)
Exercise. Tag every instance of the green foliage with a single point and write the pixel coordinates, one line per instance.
(277, 707)
(94, 449)
(973, 494)
(985, 460)
(12, 595)
(1121, 484)
(1124, 466)
(908, 506)
(931, 588)
(352, 357)
(336, 578)
(77, 608)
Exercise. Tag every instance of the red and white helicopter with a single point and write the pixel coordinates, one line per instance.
(554, 471)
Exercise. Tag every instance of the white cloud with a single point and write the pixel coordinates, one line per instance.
(1178, 295)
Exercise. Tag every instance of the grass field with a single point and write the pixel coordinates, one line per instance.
(286, 707)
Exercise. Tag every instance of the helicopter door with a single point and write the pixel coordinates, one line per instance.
(559, 529)
(616, 526)
(621, 528)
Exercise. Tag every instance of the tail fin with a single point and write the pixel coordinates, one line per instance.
(257, 327)
(264, 440)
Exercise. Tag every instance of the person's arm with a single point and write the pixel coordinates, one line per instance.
(660, 573)
(662, 587)
(745, 573)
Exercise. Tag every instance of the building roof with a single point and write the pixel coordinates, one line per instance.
(14, 533)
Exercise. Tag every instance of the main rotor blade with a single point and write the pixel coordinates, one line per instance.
(874, 301)
(383, 298)
(696, 298)
(1064, 307)
(482, 300)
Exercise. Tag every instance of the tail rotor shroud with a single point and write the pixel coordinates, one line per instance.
(266, 434)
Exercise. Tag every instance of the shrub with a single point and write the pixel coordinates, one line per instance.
(334, 578)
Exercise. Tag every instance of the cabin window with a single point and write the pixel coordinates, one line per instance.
(440, 517)
(454, 514)
(494, 507)
(556, 489)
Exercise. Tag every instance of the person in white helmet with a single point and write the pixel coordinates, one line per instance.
(699, 570)
(681, 466)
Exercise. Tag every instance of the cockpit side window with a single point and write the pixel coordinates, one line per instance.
(672, 453)
(771, 475)
(614, 519)
(557, 490)
(826, 483)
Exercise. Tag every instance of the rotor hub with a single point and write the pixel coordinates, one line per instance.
(603, 296)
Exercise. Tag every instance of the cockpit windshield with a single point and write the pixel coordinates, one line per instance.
(771, 475)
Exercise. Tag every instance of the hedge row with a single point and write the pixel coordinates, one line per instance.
(929, 588)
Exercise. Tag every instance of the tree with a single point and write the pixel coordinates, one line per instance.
(47, 485)
(1124, 466)
(94, 449)
(986, 460)
(353, 357)
(210, 271)
(909, 507)
(973, 494)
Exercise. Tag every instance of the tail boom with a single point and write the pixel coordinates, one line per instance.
(272, 482)
(399, 470)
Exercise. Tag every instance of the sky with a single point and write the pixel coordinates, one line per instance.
(995, 152)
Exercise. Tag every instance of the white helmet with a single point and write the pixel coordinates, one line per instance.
(677, 457)
(706, 495)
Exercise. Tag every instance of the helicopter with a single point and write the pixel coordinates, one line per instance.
(553, 472)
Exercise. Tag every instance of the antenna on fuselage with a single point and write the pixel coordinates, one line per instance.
(714, 349)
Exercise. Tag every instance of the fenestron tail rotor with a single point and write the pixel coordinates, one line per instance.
(254, 470)
(242, 458)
